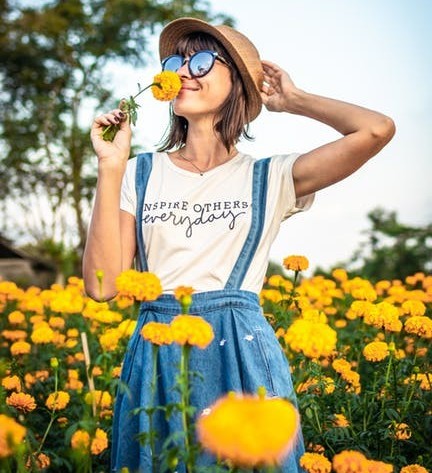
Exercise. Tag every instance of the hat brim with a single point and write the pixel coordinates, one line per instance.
(181, 27)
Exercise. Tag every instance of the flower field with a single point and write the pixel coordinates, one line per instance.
(360, 355)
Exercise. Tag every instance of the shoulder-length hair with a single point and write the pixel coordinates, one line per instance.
(231, 122)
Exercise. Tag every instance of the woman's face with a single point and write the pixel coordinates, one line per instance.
(202, 97)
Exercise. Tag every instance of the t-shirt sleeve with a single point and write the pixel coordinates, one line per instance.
(281, 187)
(128, 194)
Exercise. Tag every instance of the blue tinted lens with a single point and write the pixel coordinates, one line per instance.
(201, 63)
(172, 63)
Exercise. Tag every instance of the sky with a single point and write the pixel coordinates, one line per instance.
(376, 54)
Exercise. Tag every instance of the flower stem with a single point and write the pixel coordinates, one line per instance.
(185, 406)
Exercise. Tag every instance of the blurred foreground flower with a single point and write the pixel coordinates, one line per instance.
(165, 87)
(11, 435)
(249, 430)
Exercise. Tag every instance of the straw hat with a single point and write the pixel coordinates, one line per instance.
(242, 51)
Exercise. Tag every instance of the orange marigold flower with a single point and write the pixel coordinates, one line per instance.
(296, 263)
(14, 335)
(413, 468)
(16, 317)
(413, 307)
(340, 274)
(376, 351)
(22, 402)
(248, 430)
(419, 325)
(349, 461)
(402, 431)
(80, 440)
(142, 286)
(11, 383)
(425, 380)
(375, 466)
(11, 435)
(157, 333)
(191, 330)
(99, 443)
(183, 291)
(340, 365)
(315, 463)
(42, 461)
(166, 85)
(339, 420)
(57, 400)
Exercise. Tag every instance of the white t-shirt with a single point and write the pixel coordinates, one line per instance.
(194, 226)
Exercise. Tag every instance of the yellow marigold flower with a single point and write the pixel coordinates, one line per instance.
(126, 328)
(419, 325)
(296, 263)
(99, 442)
(414, 468)
(353, 379)
(313, 339)
(166, 85)
(80, 440)
(363, 309)
(22, 402)
(102, 399)
(73, 382)
(11, 435)
(123, 302)
(142, 286)
(109, 339)
(57, 400)
(42, 461)
(11, 383)
(340, 274)
(366, 293)
(402, 431)
(116, 372)
(272, 295)
(249, 430)
(376, 351)
(183, 291)
(349, 461)
(339, 420)
(107, 316)
(191, 330)
(157, 333)
(42, 334)
(16, 317)
(425, 380)
(340, 323)
(317, 385)
(315, 463)
(340, 365)
(413, 307)
(314, 315)
(386, 317)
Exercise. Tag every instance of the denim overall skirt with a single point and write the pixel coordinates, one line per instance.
(244, 354)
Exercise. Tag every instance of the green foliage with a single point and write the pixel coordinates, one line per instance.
(53, 72)
(393, 250)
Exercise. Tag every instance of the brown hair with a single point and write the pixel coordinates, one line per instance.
(232, 120)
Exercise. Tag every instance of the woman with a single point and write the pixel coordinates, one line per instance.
(207, 215)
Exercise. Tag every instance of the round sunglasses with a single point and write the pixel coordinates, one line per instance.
(199, 64)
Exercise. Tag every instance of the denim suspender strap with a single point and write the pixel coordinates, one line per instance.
(259, 198)
(143, 169)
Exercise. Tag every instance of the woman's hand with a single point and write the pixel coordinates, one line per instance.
(117, 151)
(278, 92)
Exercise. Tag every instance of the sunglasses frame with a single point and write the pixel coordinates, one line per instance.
(215, 55)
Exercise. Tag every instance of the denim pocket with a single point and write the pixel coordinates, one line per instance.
(266, 356)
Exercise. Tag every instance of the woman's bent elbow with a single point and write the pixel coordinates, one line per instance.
(384, 130)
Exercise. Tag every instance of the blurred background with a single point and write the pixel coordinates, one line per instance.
(63, 62)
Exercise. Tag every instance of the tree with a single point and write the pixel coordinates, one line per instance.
(393, 250)
(53, 62)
